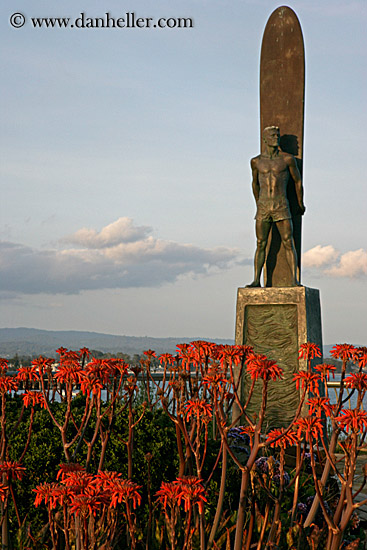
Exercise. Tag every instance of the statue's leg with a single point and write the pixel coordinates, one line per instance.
(262, 233)
(285, 228)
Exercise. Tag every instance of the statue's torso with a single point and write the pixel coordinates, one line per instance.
(273, 175)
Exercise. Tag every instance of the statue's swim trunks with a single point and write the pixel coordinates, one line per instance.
(273, 210)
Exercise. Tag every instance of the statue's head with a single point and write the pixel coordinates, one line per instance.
(271, 135)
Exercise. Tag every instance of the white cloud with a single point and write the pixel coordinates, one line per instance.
(350, 264)
(319, 255)
(121, 255)
(120, 231)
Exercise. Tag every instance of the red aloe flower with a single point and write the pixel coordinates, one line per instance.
(86, 505)
(66, 469)
(60, 494)
(124, 490)
(46, 493)
(311, 426)
(362, 357)
(249, 430)
(7, 384)
(3, 365)
(119, 366)
(204, 349)
(42, 363)
(70, 357)
(166, 359)
(309, 351)
(27, 373)
(357, 381)
(3, 492)
(325, 370)
(78, 480)
(191, 492)
(199, 409)
(70, 373)
(149, 353)
(32, 398)
(259, 366)
(12, 469)
(245, 351)
(307, 380)
(190, 356)
(345, 352)
(230, 354)
(186, 354)
(91, 384)
(168, 494)
(182, 347)
(61, 350)
(105, 480)
(282, 438)
(84, 352)
(352, 420)
(215, 377)
(320, 404)
(101, 369)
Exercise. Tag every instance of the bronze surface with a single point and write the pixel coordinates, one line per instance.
(282, 85)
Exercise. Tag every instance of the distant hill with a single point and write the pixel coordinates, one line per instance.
(30, 341)
(326, 350)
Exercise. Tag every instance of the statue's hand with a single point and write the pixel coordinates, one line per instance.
(302, 209)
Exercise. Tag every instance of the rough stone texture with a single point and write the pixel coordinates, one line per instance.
(276, 322)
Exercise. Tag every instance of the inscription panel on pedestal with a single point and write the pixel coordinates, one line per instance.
(272, 330)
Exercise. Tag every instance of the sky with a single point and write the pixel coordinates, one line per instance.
(126, 203)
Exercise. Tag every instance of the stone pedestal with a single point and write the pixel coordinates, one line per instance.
(276, 322)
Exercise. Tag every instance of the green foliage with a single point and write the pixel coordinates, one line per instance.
(155, 434)
(41, 461)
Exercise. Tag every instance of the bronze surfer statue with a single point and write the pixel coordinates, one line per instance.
(270, 174)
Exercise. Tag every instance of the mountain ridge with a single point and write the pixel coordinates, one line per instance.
(33, 341)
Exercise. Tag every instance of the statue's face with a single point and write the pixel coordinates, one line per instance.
(272, 136)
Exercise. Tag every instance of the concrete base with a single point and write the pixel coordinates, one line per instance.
(276, 322)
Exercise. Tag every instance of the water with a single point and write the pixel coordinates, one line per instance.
(333, 395)
(352, 402)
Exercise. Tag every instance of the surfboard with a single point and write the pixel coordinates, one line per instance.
(282, 92)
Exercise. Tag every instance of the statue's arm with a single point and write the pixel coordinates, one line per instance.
(293, 169)
(255, 179)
